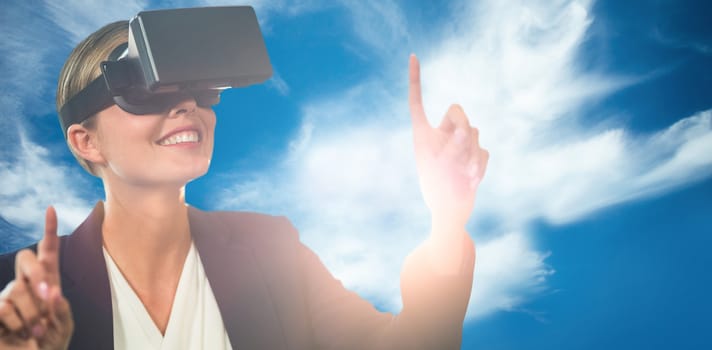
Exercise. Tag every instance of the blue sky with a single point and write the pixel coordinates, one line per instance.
(592, 224)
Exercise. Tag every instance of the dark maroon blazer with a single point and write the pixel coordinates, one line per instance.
(272, 291)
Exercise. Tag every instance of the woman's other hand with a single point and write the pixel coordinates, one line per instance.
(449, 160)
(33, 312)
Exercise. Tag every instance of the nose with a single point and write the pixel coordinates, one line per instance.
(187, 105)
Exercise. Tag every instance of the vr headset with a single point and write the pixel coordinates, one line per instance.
(172, 55)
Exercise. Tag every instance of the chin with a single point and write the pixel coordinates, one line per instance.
(178, 174)
(197, 172)
(197, 176)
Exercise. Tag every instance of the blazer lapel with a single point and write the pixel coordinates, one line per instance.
(230, 264)
(85, 284)
(236, 280)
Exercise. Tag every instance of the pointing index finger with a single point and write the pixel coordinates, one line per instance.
(415, 99)
(48, 248)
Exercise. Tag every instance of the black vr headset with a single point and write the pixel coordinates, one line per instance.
(172, 55)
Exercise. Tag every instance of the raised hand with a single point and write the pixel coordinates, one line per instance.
(33, 312)
(449, 160)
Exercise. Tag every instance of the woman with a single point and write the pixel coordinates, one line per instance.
(145, 270)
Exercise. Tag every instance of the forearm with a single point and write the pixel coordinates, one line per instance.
(435, 285)
(435, 295)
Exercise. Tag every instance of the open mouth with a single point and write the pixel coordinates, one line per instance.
(186, 136)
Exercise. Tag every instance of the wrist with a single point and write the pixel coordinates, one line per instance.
(443, 230)
(445, 250)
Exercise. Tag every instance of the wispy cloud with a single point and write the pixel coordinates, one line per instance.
(31, 182)
(266, 9)
(278, 83)
(37, 37)
(378, 24)
(25, 53)
(349, 183)
(509, 271)
(670, 39)
(80, 18)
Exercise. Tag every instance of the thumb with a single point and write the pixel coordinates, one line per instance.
(62, 310)
(48, 248)
(61, 323)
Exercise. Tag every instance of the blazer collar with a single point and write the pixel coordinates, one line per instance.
(229, 262)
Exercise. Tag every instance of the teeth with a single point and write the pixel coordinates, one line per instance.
(181, 137)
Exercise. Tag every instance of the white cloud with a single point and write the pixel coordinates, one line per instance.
(36, 38)
(508, 271)
(348, 181)
(378, 24)
(32, 182)
(80, 18)
(24, 52)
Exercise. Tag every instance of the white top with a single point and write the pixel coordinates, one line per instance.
(194, 323)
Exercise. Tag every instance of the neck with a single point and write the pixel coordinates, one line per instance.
(146, 231)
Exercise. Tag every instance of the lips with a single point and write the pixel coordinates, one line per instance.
(179, 136)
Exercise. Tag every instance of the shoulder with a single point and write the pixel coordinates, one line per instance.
(251, 228)
(255, 223)
(271, 240)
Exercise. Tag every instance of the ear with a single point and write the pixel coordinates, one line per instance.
(84, 142)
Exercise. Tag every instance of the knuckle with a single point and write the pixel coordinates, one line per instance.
(23, 256)
(9, 319)
(457, 113)
(24, 304)
(4, 309)
(34, 271)
(464, 149)
(17, 290)
(29, 265)
(454, 153)
(29, 314)
(14, 324)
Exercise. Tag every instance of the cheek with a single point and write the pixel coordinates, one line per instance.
(123, 146)
(123, 152)
(211, 121)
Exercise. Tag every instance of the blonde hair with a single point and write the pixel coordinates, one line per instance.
(82, 67)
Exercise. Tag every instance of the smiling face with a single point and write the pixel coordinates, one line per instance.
(171, 148)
